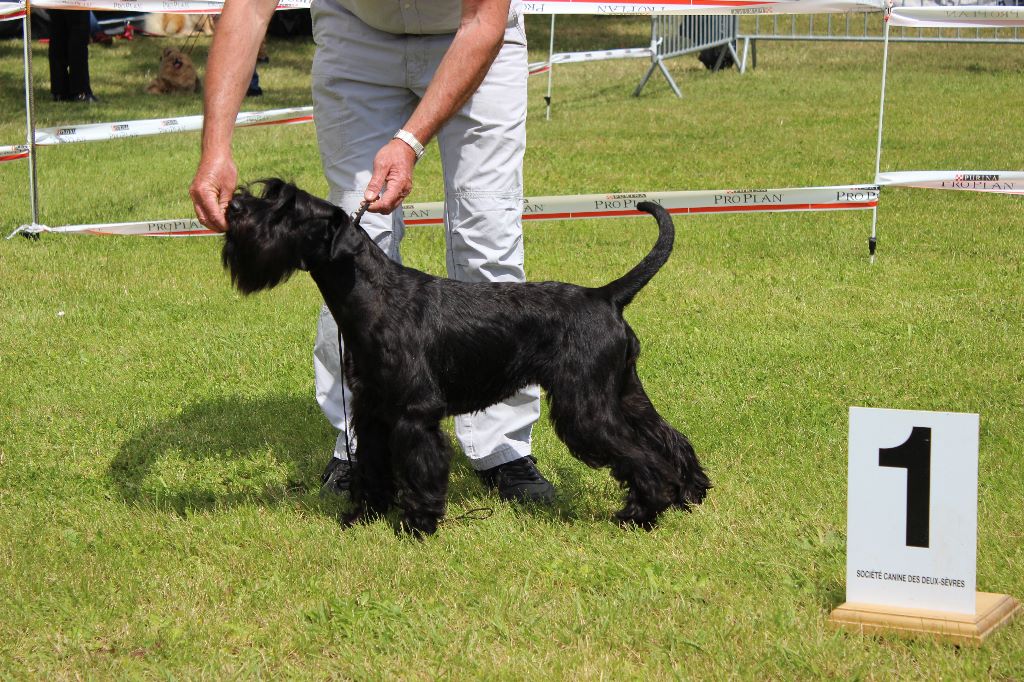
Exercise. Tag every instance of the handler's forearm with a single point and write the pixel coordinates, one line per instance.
(230, 67)
(462, 69)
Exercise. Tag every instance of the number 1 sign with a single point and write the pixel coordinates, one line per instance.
(912, 509)
(912, 528)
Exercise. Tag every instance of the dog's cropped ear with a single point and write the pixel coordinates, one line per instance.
(346, 241)
(283, 198)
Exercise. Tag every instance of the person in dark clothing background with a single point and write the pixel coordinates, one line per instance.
(69, 56)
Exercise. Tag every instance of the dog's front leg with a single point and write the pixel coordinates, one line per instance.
(421, 458)
(372, 486)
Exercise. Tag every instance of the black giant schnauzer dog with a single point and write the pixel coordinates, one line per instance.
(419, 348)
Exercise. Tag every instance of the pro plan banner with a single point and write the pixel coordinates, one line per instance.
(11, 10)
(156, 6)
(998, 182)
(837, 198)
(556, 7)
(734, 7)
(979, 16)
(94, 132)
(18, 151)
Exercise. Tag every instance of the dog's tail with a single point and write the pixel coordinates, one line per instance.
(621, 291)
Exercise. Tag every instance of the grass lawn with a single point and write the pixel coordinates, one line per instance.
(160, 445)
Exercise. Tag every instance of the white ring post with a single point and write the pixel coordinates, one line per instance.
(873, 241)
(30, 116)
(551, 68)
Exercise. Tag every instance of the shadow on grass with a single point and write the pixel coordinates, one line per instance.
(250, 450)
(225, 451)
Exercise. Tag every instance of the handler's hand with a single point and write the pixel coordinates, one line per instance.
(392, 171)
(211, 190)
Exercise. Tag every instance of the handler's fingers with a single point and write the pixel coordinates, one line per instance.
(395, 191)
(209, 207)
(391, 181)
(211, 191)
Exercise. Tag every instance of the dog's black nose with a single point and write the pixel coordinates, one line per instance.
(236, 205)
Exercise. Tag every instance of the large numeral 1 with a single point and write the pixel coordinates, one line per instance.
(914, 455)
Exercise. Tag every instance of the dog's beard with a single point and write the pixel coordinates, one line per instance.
(254, 268)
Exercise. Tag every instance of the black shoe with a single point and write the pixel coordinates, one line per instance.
(337, 477)
(86, 97)
(519, 481)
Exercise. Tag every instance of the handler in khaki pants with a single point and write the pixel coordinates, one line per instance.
(388, 76)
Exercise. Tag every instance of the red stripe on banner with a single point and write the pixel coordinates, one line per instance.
(676, 211)
(595, 214)
(186, 233)
(859, 204)
(300, 119)
(14, 157)
(738, 209)
(682, 3)
(728, 3)
(548, 216)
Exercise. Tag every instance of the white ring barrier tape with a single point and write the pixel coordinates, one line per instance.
(155, 6)
(996, 182)
(958, 17)
(600, 55)
(585, 206)
(96, 132)
(13, 10)
(733, 7)
(554, 7)
(17, 151)
(536, 68)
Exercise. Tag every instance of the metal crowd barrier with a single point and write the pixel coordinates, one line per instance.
(677, 35)
(864, 27)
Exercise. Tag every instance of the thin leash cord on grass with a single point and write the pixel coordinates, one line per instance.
(475, 514)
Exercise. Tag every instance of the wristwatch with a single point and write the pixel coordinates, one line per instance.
(410, 139)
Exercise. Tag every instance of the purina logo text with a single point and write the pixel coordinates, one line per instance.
(992, 177)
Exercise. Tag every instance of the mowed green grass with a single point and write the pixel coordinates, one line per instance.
(160, 445)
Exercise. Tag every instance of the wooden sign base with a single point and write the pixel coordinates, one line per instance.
(992, 612)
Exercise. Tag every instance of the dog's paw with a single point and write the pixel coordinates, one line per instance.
(419, 525)
(360, 515)
(632, 516)
(695, 490)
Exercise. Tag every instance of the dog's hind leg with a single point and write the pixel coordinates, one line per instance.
(599, 435)
(422, 459)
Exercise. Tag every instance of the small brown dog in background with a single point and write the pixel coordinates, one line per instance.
(177, 74)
